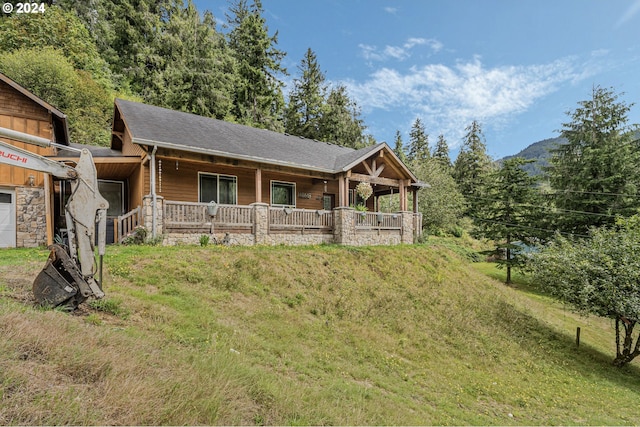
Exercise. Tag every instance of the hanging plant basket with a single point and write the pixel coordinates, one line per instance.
(364, 190)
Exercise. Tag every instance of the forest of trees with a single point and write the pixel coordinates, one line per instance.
(79, 56)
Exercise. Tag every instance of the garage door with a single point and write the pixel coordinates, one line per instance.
(7, 219)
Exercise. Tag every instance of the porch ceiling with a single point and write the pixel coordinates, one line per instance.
(111, 170)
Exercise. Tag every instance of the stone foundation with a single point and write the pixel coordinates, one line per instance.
(31, 217)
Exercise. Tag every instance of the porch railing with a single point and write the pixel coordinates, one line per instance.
(125, 224)
(377, 220)
(189, 215)
(300, 219)
(182, 215)
(234, 216)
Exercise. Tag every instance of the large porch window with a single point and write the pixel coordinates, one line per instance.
(221, 189)
(283, 194)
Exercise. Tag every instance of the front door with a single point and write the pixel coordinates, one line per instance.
(113, 192)
(7, 219)
(328, 201)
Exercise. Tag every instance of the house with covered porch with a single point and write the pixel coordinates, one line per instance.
(199, 176)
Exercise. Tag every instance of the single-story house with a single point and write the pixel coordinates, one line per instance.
(267, 187)
(181, 176)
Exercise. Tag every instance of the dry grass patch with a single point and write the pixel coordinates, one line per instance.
(313, 335)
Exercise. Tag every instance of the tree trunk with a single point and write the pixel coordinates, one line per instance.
(624, 351)
(508, 260)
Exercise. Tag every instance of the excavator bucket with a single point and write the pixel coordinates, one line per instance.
(57, 285)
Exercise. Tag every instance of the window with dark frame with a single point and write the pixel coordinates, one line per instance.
(221, 189)
(283, 194)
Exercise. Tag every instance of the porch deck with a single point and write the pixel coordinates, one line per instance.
(261, 223)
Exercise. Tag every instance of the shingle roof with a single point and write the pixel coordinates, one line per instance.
(96, 151)
(156, 126)
(150, 125)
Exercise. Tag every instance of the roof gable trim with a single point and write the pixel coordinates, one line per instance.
(388, 151)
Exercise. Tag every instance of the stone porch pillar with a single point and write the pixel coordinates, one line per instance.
(344, 227)
(407, 227)
(147, 214)
(260, 222)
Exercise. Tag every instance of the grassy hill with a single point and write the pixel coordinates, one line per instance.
(317, 335)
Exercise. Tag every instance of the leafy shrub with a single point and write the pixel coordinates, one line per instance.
(457, 231)
(138, 237)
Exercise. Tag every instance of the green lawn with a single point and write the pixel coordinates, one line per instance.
(313, 335)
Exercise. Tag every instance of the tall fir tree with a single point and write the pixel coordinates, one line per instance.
(441, 153)
(418, 142)
(398, 148)
(259, 100)
(509, 211)
(303, 113)
(595, 176)
(341, 122)
(472, 167)
(198, 75)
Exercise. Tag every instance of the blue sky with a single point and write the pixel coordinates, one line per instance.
(516, 66)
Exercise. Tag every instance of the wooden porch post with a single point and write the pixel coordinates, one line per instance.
(343, 191)
(258, 185)
(415, 200)
(346, 191)
(403, 195)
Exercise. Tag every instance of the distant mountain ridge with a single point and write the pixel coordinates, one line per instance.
(540, 152)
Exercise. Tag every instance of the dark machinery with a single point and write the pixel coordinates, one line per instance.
(68, 276)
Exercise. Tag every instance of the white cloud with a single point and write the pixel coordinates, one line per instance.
(372, 53)
(391, 10)
(448, 98)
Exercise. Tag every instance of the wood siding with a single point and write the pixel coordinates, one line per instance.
(177, 180)
(23, 115)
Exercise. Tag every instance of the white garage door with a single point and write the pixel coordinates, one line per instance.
(7, 219)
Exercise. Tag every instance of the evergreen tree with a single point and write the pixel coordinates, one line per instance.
(441, 153)
(341, 122)
(198, 73)
(399, 147)
(258, 96)
(472, 166)
(595, 176)
(303, 113)
(509, 211)
(418, 142)
(128, 35)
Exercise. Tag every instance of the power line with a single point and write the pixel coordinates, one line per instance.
(530, 227)
(550, 208)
